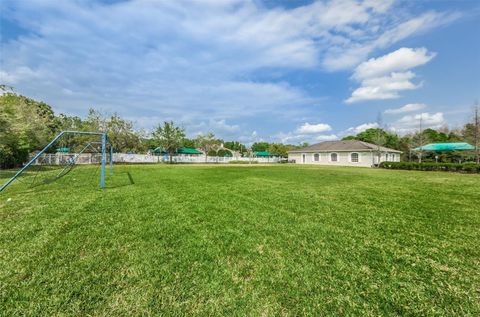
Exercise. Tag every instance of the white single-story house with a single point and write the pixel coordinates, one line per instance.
(345, 153)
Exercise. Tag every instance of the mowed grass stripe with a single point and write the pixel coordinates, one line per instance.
(242, 240)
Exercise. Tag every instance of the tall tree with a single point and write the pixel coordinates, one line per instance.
(25, 125)
(122, 135)
(169, 137)
(471, 131)
(206, 143)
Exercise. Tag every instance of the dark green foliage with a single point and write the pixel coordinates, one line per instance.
(430, 166)
(25, 125)
(260, 146)
(280, 149)
(235, 146)
(188, 143)
(372, 135)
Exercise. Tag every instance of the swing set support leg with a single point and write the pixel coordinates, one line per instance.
(104, 154)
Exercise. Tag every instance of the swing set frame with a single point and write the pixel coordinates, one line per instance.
(104, 142)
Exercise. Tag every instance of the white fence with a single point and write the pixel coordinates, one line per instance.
(95, 158)
(66, 158)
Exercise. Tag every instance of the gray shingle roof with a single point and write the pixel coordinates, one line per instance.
(347, 145)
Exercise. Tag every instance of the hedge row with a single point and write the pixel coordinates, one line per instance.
(447, 167)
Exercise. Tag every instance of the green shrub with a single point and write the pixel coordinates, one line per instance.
(430, 166)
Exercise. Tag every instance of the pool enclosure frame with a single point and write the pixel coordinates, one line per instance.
(104, 143)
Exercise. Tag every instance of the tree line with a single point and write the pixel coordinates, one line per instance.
(27, 125)
(469, 133)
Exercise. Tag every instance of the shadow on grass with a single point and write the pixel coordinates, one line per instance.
(121, 180)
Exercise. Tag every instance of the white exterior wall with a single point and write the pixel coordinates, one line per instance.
(366, 159)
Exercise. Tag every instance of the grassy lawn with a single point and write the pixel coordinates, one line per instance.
(242, 240)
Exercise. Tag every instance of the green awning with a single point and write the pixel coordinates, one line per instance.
(182, 150)
(446, 147)
(265, 154)
(187, 150)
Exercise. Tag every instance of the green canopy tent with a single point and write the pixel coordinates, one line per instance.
(188, 151)
(158, 151)
(445, 147)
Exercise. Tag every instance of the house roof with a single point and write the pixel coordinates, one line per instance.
(347, 145)
(446, 147)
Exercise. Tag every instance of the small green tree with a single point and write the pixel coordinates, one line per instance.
(168, 136)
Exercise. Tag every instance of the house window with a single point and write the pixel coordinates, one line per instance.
(386, 157)
(393, 157)
(334, 157)
(354, 157)
(316, 157)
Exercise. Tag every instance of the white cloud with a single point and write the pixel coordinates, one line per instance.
(411, 107)
(295, 138)
(361, 128)
(291, 138)
(384, 77)
(351, 51)
(411, 123)
(308, 128)
(18, 74)
(415, 25)
(381, 88)
(428, 120)
(221, 125)
(330, 137)
(400, 60)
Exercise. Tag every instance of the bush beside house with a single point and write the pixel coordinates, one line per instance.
(446, 167)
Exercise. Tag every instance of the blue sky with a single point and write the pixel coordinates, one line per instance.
(290, 71)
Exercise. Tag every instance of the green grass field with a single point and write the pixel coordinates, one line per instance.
(242, 241)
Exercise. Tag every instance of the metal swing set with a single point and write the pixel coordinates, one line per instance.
(73, 160)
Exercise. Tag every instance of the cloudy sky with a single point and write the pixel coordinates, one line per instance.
(289, 71)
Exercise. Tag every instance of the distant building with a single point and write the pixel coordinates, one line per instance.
(343, 153)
